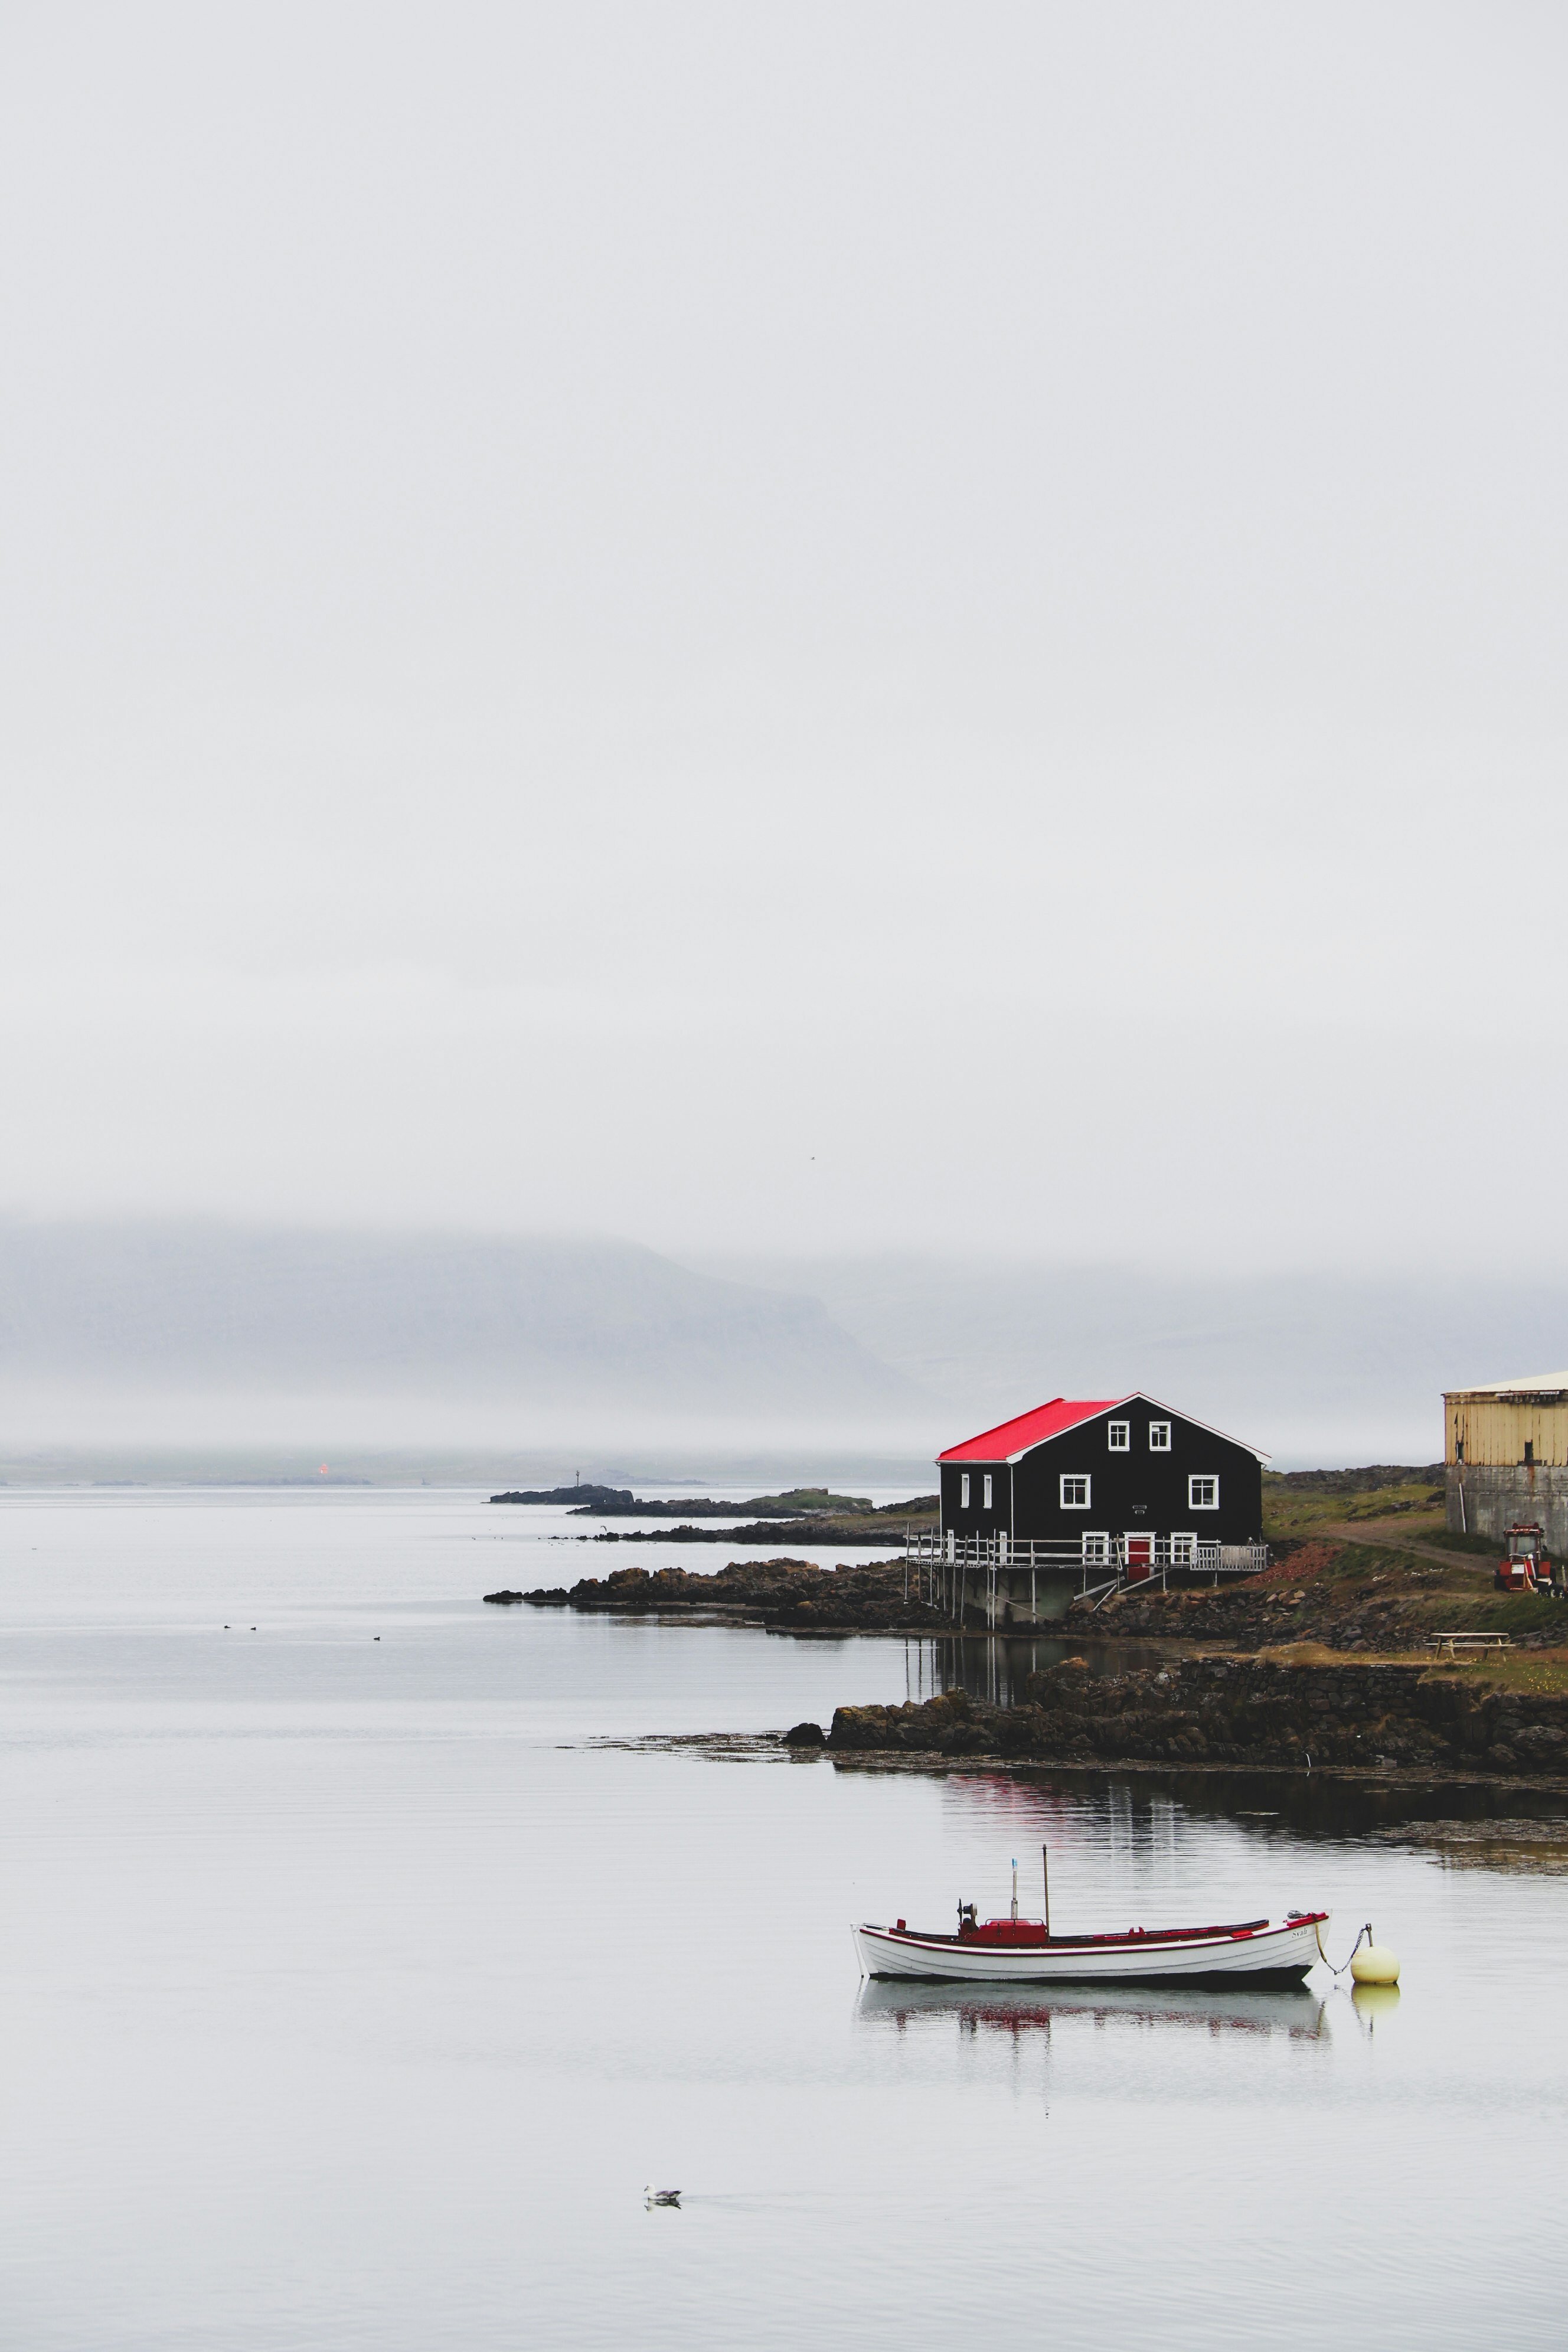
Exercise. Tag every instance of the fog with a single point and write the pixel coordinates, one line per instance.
(126, 1348)
(815, 635)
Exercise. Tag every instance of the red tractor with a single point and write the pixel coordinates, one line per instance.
(1525, 1567)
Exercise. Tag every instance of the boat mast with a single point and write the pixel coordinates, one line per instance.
(1045, 1873)
(1015, 1886)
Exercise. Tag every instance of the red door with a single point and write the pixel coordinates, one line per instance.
(1140, 1559)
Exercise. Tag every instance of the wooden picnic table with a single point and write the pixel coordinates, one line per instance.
(1451, 1646)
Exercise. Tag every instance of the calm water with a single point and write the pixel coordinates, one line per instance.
(350, 1993)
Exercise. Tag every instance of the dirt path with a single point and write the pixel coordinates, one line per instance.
(1397, 1531)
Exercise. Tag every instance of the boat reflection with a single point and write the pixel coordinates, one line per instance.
(1020, 2010)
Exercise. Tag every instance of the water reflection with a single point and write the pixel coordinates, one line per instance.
(1475, 1824)
(1372, 2001)
(995, 1669)
(1538, 1846)
(1020, 2010)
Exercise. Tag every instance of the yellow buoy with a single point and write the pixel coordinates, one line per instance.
(1374, 1964)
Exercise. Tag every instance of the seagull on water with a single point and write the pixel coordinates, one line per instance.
(652, 2196)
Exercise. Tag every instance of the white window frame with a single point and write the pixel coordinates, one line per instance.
(1096, 1548)
(1184, 1550)
(986, 1503)
(1159, 1437)
(963, 1490)
(1075, 1501)
(1118, 1434)
(1197, 1502)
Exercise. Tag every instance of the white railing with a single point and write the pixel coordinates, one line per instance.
(1110, 1558)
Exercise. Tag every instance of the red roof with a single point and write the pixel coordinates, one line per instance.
(1010, 1437)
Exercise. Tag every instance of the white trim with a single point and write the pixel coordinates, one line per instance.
(963, 1490)
(986, 1503)
(1096, 1548)
(1134, 1396)
(1118, 1436)
(1165, 1448)
(1074, 1478)
(1183, 1549)
(1203, 1478)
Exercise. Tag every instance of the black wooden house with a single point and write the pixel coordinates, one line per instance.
(1117, 1480)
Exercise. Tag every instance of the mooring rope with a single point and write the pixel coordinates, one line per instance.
(1318, 1932)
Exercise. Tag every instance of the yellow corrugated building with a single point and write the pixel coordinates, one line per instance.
(1507, 1456)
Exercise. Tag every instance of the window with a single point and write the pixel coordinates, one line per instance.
(964, 1492)
(1121, 1432)
(1530, 1452)
(988, 1490)
(1184, 1550)
(1075, 1493)
(1096, 1549)
(1159, 1437)
(1202, 1494)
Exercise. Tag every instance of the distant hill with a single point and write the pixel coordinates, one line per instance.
(621, 1502)
(602, 1327)
(1317, 1367)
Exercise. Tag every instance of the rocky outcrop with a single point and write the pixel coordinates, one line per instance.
(825, 1529)
(1234, 1711)
(787, 1595)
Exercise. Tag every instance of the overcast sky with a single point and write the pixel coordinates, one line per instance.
(793, 627)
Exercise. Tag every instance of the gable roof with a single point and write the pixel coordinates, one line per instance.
(1536, 1384)
(1010, 1440)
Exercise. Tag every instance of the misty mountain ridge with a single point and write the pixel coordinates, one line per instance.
(493, 1340)
(1315, 1367)
(606, 1327)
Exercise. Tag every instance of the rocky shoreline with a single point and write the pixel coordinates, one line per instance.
(1268, 1713)
(826, 1531)
(792, 1596)
(1262, 1675)
(1343, 1596)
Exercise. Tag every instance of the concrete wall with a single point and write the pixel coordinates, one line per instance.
(1013, 1614)
(1495, 1498)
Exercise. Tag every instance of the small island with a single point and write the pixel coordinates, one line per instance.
(813, 1514)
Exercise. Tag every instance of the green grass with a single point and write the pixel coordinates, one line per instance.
(1457, 1598)
(1289, 1509)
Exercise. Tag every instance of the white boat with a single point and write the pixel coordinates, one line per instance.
(1024, 1951)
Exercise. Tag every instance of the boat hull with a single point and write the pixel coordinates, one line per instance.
(1281, 1952)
